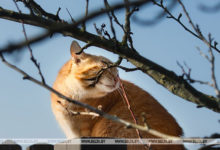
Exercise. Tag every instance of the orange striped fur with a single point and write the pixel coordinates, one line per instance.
(72, 82)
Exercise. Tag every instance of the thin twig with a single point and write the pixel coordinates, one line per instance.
(112, 28)
(58, 11)
(128, 69)
(86, 14)
(73, 21)
(203, 55)
(107, 6)
(115, 18)
(102, 70)
(212, 61)
(127, 27)
(177, 19)
(127, 21)
(108, 66)
(33, 59)
(158, 16)
(85, 47)
(189, 78)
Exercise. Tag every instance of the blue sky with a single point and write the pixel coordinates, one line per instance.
(25, 107)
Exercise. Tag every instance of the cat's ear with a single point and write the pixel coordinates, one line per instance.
(75, 49)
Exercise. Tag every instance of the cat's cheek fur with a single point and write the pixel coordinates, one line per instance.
(108, 86)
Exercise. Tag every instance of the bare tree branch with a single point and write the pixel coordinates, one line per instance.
(166, 78)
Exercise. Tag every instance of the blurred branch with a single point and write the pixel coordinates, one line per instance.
(197, 32)
(73, 21)
(93, 109)
(213, 9)
(157, 18)
(213, 146)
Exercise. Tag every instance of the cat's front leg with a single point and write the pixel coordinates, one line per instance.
(73, 124)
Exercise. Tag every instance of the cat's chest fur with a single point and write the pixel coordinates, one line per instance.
(77, 121)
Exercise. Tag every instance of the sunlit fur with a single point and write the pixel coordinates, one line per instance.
(71, 81)
(77, 81)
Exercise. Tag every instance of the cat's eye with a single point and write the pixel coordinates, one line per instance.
(91, 79)
(95, 79)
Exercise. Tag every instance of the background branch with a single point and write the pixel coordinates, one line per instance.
(197, 32)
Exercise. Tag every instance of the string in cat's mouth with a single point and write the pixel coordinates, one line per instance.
(123, 94)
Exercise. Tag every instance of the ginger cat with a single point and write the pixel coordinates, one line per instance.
(76, 80)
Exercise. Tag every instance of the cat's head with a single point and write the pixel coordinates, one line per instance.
(88, 71)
